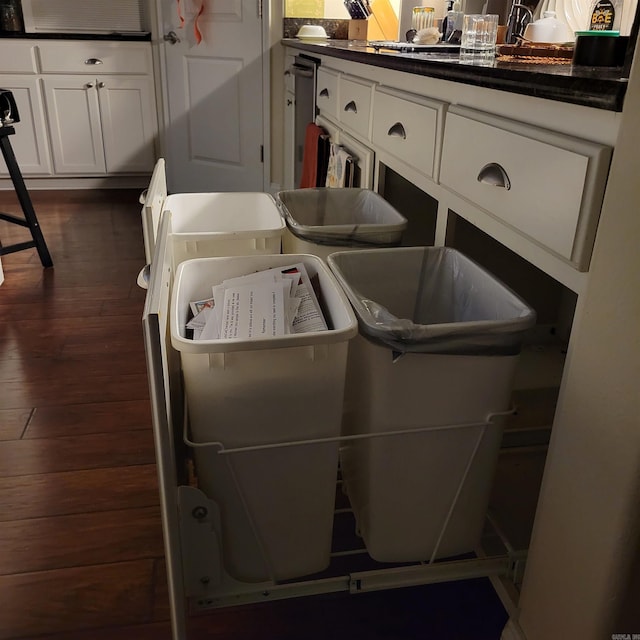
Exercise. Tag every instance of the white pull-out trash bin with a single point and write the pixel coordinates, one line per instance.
(438, 346)
(224, 224)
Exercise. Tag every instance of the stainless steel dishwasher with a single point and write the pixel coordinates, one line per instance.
(304, 72)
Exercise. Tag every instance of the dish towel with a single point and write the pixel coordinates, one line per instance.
(339, 160)
(310, 154)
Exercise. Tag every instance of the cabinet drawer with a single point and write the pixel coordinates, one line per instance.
(408, 127)
(327, 92)
(95, 57)
(354, 105)
(546, 185)
(18, 56)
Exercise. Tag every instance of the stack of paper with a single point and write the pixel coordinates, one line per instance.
(265, 304)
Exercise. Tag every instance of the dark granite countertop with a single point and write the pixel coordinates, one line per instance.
(598, 87)
(143, 36)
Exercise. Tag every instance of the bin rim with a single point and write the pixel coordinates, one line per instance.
(467, 337)
(334, 232)
(229, 345)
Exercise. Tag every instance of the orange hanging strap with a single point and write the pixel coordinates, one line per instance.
(196, 28)
(180, 16)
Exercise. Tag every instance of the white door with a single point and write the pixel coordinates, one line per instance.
(215, 130)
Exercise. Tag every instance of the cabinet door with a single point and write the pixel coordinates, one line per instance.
(74, 124)
(30, 142)
(128, 117)
(289, 140)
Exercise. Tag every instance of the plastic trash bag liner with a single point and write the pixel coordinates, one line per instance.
(431, 300)
(342, 217)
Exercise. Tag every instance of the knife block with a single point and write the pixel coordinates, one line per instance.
(358, 29)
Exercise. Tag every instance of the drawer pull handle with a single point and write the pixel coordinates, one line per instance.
(351, 106)
(93, 61)
(397, 130)
(494, 175)
(324, 93)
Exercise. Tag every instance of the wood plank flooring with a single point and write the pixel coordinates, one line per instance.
(81, 554)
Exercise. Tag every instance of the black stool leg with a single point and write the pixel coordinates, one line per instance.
(25, 201)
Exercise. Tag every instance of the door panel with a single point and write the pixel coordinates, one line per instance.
(30, 142)
(128, 123)
(74, 124)
(215, 98)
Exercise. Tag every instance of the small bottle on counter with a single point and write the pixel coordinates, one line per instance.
(453, 20)
(605, 15)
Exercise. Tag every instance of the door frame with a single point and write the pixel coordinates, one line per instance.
(155, 13)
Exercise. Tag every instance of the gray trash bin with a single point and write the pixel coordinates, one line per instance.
(322, 220)
(439, 340)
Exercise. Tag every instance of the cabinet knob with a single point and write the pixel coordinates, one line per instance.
(93, 61)
(351, 106)
(397, 131)
(289, 102)
(324, 93)
(171, 37)
(494, 175)
(89, 85)
(101, 85)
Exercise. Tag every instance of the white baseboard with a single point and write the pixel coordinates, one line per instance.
(512, 631)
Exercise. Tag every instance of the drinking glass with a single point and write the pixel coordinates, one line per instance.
(478, 41)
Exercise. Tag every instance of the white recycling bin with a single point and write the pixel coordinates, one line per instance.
(224, 224)
(276, 503)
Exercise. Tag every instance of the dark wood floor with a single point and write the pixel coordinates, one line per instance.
(81, 552)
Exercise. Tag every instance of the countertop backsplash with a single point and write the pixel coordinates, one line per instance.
(336, 29)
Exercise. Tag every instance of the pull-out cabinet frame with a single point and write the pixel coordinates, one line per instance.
(196, 576)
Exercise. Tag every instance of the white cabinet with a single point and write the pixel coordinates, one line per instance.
(87, 108)
(30, 141)
(100, 124)
(100, 107)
